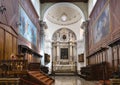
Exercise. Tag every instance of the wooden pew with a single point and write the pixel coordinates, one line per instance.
(9, 81)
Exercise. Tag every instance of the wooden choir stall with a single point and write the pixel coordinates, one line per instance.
(19, 72)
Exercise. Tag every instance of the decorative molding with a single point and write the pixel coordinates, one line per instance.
(68, 34)
(64, 14)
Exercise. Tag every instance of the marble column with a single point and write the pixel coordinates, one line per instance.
(74, 52)
(58, 52)
(54, 53)
(71, 52)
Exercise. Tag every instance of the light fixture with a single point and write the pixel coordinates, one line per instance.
(64, 17)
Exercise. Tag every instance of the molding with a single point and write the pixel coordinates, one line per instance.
(97, 51)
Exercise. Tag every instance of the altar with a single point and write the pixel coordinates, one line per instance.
(64, 52)
(67, 67)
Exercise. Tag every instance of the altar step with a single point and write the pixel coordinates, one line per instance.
(62, 74)
(42, 78)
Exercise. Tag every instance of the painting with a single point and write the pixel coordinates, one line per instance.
(47, 58)
(81, 58)
(26, 28)
(64, 53)
(101, 27)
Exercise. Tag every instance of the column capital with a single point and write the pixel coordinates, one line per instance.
(43, 24)
(85, 24)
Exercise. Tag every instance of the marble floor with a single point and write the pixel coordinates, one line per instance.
(71, 80)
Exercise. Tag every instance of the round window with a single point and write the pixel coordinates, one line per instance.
(64, 37)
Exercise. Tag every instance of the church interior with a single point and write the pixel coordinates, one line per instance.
(59, 42)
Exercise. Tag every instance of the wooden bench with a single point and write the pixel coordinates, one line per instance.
(9, 81)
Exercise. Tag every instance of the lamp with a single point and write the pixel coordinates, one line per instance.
(2, 9)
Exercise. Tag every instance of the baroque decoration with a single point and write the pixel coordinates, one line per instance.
(64, 51)
(64, 35)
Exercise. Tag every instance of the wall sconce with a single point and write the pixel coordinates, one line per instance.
(2, 9)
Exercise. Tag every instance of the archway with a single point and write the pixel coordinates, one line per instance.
(70, 16)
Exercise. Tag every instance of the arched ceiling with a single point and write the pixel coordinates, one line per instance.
(64, 14)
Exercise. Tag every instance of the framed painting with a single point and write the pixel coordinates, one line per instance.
(26, 28)
(47, 58)
(64, 53)
(81, 58)
(101, 27)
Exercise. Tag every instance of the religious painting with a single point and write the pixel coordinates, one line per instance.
(47, 58)
(26, 28)
(64, 53)
(101, 27)
(81, 58)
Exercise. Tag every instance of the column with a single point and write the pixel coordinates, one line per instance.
(71, 52)
(54, 54)
(86, 40)
(58, 52)
(43, 26)
(74, 55)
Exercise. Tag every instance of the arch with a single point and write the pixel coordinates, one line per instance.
(70, 45)
(66, 29)
(70, 5)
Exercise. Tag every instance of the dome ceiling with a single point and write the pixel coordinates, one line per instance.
(63, 14)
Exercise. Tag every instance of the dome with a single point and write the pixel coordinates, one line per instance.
(63, 14)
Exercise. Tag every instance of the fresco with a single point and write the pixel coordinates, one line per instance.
(101, 27)
(27, 29)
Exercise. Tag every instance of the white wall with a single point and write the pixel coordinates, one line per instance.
(91, 4)
(36, 4)
(76, 28)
